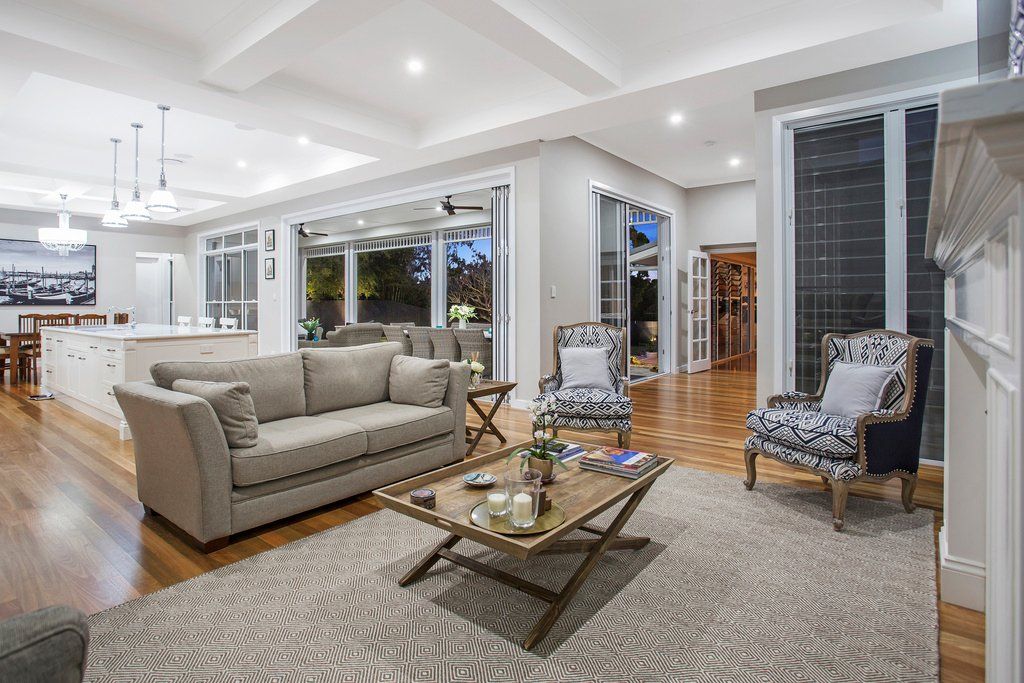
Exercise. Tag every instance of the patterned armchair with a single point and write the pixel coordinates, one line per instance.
(875, 446)
(592, 409)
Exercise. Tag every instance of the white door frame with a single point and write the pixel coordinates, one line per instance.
(667, 260)
(695, 322)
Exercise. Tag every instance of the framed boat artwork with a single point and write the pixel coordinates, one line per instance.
(32, 275)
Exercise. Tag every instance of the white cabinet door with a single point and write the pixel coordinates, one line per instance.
(89, 376)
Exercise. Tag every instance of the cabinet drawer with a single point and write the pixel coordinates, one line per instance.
(107, 397)
(113, 352)
(111, 370)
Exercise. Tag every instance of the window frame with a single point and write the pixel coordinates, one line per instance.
(204, 253)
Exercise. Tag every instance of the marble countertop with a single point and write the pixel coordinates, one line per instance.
(146, 331)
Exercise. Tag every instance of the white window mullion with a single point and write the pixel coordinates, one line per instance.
(895, 222)
(351, 288)
(439, 279)
(789, 239)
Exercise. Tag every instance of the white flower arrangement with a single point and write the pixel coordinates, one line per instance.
(476, 366)
(461, 312)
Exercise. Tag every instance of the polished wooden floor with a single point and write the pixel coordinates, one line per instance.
(73, 532)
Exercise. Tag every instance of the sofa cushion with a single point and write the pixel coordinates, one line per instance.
(843, 469)
(293, 445)
(275, 382)
(829, 435)
(344, 377)
(233, 405)
(418, 381)
(389, 425)
(591, 403)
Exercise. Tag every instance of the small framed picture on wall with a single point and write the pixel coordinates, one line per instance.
(268, 240)
(268, 269)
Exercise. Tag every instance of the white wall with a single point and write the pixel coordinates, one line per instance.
(566, 168)
(721, 215)
(930, 68)
(115, 261)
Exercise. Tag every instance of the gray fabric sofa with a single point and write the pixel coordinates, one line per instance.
(45, 646)
(327, 430)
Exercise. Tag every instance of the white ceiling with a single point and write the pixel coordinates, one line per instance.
(496, 73)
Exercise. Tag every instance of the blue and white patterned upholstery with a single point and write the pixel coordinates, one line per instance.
(831, 436)
(590, 408)
(595, 403)
(875, 349)
(843, 469)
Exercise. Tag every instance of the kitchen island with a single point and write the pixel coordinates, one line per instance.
(81, 364)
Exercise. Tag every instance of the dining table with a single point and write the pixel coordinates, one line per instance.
(14, 342)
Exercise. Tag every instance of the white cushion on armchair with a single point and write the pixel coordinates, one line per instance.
(584, 368)
(854, 389)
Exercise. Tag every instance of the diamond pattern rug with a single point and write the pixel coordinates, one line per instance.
(735, 585)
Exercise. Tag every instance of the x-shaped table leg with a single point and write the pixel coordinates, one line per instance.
(487, 426)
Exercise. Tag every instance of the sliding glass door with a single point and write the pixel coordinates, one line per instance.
(630, 294)
(860, 190)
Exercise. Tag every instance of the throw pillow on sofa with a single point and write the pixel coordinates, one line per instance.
(232, 403)
(418, 381)
(584, 368)
(855, 388)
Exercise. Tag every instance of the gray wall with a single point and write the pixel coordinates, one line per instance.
(930, 68)
(566, 167)
(721, 214)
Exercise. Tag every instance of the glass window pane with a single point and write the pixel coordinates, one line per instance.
(249, 237)
(233, 240)
(213, 243)
(251, 275)
(394, 285)
(251, 317)
(232, 311)
(839, 236)
(214, 311)
(325, 290)
(612, 265)
(925, 292)
(233, 276)
(470, 277)
(214, 277)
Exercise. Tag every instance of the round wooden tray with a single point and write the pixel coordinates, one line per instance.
(546, 522)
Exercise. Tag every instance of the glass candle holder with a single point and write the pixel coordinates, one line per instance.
(522, 491)
(497, 504)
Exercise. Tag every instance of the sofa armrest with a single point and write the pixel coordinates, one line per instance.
(45, 645)
(455, 398)
(183, 468)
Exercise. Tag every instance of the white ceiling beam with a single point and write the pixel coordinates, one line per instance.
(289, 31)
(563, 46)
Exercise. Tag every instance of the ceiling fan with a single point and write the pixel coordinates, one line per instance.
(305, 233)
(446, 205)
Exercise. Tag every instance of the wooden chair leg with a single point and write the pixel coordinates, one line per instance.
(748, 457)
(909, 484)
(840, 489)
(624, 438)
(824, 480)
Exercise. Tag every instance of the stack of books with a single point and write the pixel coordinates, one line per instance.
(566, 451)
(619, 461)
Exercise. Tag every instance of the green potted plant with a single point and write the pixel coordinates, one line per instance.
(310, 325)
(539, 456)
(463, 313)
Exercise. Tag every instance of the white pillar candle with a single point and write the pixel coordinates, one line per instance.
(496, 503)
(522, 508)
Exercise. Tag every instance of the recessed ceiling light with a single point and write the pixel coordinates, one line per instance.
(735, 161)
(303, 140)
(361, 222)
(415, 66)
(675, 119)
(241, 163)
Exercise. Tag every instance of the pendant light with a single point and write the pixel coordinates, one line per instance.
(135, 210)
(113, 218)
(162, 201)
(63, 239)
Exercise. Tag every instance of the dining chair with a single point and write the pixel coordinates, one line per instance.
(91, 319)
(206, 322)
(184, 321)
(121, 318)
(446, 346)
(472, 340)
(396, 333)
(422, 347)
(229, 323)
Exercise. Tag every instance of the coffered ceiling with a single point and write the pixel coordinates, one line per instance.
(312, 94)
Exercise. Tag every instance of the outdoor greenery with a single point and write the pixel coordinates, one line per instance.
(469, 277)
(325, 278)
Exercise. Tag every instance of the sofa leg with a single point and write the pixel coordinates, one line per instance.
(748, 457)
(909, 485)
(214, 545)
(840, 489)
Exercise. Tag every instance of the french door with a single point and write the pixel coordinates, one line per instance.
(699, 305)
(632, 292)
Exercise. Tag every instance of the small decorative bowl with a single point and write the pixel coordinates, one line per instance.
(479, 480)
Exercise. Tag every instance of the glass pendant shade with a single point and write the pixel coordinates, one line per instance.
(63, 239)
(113, 217)
(162, 201)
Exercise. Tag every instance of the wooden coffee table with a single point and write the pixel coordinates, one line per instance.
(581, 493)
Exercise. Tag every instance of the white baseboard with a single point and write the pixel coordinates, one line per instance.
(962, 580)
